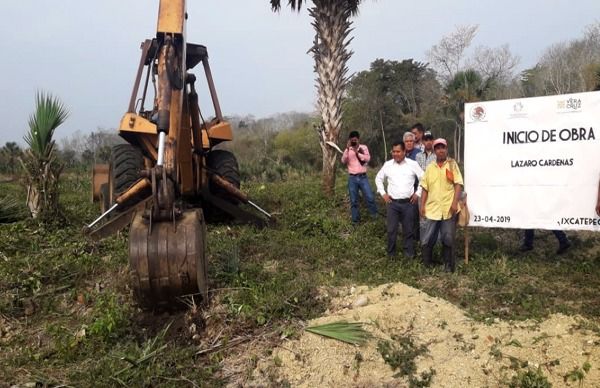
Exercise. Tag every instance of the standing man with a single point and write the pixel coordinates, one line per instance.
(356, 156)
(442, 185)
(409, 142)
(424, 158)
(400, 198)
(427, 155)
(419, 132)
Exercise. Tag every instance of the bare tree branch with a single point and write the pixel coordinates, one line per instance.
(446, 57)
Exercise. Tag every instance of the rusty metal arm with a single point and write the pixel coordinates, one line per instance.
(145, 49)
(138, 192)
(211, 87)
(236, 192)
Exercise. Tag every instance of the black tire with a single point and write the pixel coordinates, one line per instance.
(126, 161)
(225, 164)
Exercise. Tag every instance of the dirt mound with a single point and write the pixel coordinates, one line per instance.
(459, 350)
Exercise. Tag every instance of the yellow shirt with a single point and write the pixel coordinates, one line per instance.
(440, 188)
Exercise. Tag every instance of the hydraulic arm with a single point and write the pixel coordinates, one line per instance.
(168, 179)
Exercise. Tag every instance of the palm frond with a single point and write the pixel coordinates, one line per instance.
(11, 210)
(295, 5)
(349, 332)
(49, 113)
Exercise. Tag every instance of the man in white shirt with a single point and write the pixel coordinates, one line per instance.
(400, 198)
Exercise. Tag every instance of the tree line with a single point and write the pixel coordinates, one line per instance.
(386, 99)
(381, 102)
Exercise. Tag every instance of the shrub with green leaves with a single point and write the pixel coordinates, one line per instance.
(400, 354)
(111, 317)
(530, 379)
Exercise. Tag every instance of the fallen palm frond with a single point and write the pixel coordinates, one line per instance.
(11, 210)
(349, 332)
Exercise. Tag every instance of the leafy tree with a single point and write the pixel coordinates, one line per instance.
(331, 21)
(487, 74)
(297, 147)
(42, 169)
(68, 157)
(385, 100)
(566, 67)
(449, 55)
(87, 157)
(100, 143)
(9, 155)
(465, 86)
(85, 149)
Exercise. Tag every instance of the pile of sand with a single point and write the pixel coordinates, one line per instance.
(463, 352)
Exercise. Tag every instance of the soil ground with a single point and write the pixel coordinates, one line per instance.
(461, 351)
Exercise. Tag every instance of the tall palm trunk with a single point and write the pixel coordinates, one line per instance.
(42, 180)
(331, 21)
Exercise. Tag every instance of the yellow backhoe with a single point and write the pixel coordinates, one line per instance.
(168, 178)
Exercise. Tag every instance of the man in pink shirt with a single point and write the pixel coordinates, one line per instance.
(356, 156)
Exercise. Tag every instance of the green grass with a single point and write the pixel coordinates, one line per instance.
(67, 315)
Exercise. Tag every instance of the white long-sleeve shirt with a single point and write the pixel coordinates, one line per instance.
(400, 178)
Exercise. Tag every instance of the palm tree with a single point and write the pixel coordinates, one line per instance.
(42, 170)
(465, 86)
(331, 21)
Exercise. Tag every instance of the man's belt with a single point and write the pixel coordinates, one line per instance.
(361, 174)
(401, 200)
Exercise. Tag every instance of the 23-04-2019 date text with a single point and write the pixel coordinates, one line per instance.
(495, 219)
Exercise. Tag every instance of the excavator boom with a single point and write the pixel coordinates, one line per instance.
(168, 180)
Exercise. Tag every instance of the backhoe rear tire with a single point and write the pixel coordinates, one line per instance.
(126, 162)
(224, 164)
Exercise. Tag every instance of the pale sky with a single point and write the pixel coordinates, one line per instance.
(86, 52)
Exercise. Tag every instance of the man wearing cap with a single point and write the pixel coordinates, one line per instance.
(427, 155)
(356, 156)
(400, 197)
(442, 185)
(419, 131)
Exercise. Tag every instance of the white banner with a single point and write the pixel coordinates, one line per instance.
(534, 162)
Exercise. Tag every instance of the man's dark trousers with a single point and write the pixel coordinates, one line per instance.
(429, 235)
(401, 212)
(559, 234)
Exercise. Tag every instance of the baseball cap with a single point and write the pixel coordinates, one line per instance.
(440, 141)
(427, 135)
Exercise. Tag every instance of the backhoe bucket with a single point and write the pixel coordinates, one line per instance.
(167, 259)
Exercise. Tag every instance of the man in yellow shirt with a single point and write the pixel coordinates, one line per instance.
(442, 185)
